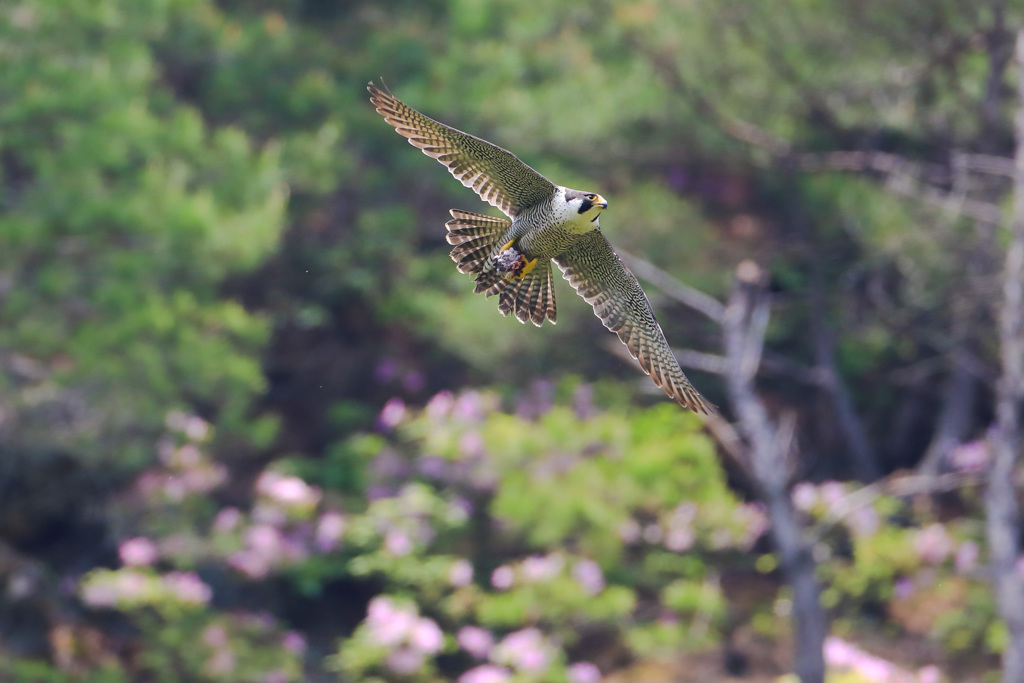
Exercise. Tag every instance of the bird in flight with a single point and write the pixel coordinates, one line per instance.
(545, 222)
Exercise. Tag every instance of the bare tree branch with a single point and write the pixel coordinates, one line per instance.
(684, 294)
(705, 362)
(865, 464)
(769, 445)
(998, 44)
(955, 417)
(894, 485)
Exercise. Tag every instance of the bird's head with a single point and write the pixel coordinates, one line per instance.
(587, 204)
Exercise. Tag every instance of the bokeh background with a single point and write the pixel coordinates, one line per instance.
(255, 427)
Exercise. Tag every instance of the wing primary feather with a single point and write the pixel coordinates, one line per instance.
(494, 173)
(597, 274)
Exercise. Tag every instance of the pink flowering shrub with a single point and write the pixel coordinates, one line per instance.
(542, 482)
(923, 572)
(497, 543)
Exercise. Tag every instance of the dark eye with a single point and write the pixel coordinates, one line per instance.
(591, 197)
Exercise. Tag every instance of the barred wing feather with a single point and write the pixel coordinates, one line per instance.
(497, 175)
(597, 275)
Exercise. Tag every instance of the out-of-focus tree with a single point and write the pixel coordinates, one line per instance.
(123, 213)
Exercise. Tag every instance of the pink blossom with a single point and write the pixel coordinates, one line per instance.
(525, 650)
(215, 636)
(843, 655)
(629, 531)
(475, 640)
(589, 575)
(405, 660)
(460, 509)
(227, 520)
(426, 636)
(971, 457)
(106, 588)
(755, 523)
(397, 543)
(683, 515)
(196, 428)
(329, 530)
(680, 540)
(187, 456)
(966, 557)
(389, 624)
(503, 577)
(875, 669)
(263, 539)
(863, 521)
(268, 512)
(584, 672)
(831, 493)
(839, 653)
(537, 568)
(440, 405)
(933, 544)
(294, 642)
(99, 594)
(461, 573)
(929, 674)
(138, 552)
(392, 414)
(203, 477)
(471, 444)
(250, 563)
(903, 588)
(469, 407)
(287, 491)
(188, 587)
(487, 673)
(432, 466)
(805, 496)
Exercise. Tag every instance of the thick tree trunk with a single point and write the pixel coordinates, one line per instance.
(743, 323)
(1002, 508)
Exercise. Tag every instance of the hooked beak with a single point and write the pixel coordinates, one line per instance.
(601, 202)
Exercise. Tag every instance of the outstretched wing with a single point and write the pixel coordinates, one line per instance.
(495, 174)
(597, 274)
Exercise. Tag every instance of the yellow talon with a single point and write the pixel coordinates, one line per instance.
(512, 263)
(526, 269)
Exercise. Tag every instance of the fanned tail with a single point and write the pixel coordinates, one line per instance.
(477, 238)
(531, 298)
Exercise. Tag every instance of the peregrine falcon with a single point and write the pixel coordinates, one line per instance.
(512, 256)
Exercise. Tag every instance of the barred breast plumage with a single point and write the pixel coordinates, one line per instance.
(512, 256)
